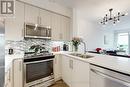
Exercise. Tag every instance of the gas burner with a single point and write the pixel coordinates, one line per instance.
(29, 55)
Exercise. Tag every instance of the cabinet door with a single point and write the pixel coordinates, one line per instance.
(56, 27)
(66, 70)
(14, 26)
(65, 26)
(31, 14)
(17, 73)
(80, 74)
(45, 18)
(8, 78)
(57, 67)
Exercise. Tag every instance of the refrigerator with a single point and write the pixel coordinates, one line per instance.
(2, 53)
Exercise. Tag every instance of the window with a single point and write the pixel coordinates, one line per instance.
(123, 43)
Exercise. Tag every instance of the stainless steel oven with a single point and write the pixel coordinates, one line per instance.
(38, 71)
(36, 31)
(104, 77)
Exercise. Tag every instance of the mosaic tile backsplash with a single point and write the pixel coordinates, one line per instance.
(20, 47)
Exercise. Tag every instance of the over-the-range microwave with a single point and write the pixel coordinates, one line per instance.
(36, 31)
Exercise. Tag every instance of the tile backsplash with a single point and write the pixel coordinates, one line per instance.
(22, 46)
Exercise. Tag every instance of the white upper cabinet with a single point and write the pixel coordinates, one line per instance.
(68, 29)
(60, 27)
(65, 28)
(31, 14)
(14, 26)
(56, 27)
(45, 18)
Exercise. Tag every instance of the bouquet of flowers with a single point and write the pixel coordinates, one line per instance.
(76, 42)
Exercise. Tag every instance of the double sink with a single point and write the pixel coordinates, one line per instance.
(85, 56)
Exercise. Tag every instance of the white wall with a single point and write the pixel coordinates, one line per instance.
(87, 15)
(92, 32)
(50, 5)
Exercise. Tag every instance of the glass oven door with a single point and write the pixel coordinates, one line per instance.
(38, 69)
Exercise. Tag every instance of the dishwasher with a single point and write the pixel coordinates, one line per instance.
(104, 77)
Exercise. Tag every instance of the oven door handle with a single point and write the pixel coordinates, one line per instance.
(38, 61)
(110, 77)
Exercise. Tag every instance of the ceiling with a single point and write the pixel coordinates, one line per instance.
(96, 9)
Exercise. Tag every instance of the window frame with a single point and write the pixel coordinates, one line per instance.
(116, 39)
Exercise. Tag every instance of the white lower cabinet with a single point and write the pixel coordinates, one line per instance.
(66, 70)
(8, 78)
(80, 74)
(57, 67)
(14, 75)
(17, 73)
(75, 73)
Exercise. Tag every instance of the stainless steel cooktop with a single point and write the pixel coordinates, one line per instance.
(30, 55)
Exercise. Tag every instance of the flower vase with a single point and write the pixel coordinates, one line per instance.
(75, 48)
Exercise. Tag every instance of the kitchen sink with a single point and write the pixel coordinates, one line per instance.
(81, 55)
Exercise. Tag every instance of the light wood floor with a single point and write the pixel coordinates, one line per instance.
(59, 84)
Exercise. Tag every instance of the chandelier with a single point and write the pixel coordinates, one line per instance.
(111, 17)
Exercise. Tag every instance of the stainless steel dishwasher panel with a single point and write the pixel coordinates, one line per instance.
(102, 77)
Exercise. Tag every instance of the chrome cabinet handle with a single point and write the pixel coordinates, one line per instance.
(20, 66)
(40, 20)
(60, 36)
(37, 19)
(55, 61)
(49, 32)
(71, 64)
(9, 78)
(110, 77)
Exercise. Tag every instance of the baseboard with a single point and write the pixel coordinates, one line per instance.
(57, 79)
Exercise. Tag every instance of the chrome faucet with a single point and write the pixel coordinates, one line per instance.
(85, 48)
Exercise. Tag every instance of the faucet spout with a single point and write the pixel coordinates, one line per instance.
(85, 47)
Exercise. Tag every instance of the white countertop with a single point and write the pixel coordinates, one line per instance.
(120, 64)
(62, 52)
